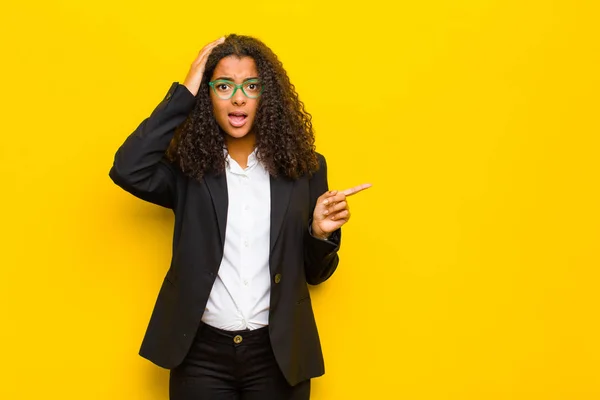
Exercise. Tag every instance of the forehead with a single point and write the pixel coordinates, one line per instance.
(236, 68)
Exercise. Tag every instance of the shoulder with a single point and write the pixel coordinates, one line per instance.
(321, 172)
(321, 160)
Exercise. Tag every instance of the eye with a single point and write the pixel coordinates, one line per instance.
(253, 87)
(223, 87)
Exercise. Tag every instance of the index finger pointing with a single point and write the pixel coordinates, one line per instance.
(356, 189)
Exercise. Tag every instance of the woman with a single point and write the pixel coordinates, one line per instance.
(231, 151)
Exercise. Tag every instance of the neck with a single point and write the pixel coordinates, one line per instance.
(240, 148)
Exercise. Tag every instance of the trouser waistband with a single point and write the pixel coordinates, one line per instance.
(246, 336)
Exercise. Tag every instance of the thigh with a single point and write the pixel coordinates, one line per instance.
(279, 391)
(205, 374)
(264, 379)
(200, 387)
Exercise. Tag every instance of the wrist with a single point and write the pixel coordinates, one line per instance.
(190, 88)
(318, 233)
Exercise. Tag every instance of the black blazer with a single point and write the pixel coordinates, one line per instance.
(200, 208)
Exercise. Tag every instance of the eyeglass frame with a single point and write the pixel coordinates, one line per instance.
(236, 87)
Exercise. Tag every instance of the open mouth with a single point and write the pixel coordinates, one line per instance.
(237, 118)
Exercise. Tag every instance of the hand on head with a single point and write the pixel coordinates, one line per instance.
(194, 76)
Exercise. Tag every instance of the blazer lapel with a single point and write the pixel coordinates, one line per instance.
(217, 186)
(281, 189)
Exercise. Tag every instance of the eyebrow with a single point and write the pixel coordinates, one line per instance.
(227, 78)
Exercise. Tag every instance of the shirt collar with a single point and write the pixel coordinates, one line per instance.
(233, 166)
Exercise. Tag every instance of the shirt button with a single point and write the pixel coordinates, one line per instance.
(245, 282)
(277, 278)
(246, 243)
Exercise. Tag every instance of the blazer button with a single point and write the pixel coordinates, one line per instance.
(277, 278)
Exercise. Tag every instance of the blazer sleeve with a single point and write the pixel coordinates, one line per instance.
(140, 166)
(320, 256)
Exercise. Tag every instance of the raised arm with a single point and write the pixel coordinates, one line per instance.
(140, 166)
(320, 253)
(331, 212)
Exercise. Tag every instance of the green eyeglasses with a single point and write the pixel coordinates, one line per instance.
(225, 89)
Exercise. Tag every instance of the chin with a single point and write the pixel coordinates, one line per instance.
(237, 134)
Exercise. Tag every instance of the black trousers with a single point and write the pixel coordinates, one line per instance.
(225, 365)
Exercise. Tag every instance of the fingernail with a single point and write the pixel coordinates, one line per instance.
(325, 212)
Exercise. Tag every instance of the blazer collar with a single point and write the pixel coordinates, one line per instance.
(281, 190)
(217, 186)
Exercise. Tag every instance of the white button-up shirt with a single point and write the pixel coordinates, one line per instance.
(240, 296)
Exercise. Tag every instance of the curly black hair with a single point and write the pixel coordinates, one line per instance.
(284, 133)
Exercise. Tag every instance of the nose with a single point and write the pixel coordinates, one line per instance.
(238, 98)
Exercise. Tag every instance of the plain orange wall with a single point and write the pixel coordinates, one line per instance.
(469, 270)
